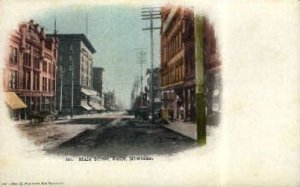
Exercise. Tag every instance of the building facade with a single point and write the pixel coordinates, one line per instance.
(98, 82)
(178, 62)
(30, 69)
(98, 79)
(110, 100)
(212, 71)
(74, 88)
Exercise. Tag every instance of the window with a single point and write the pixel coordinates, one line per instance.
(180, 41)
(12, 82)
(49, 85)
(36, 81)
(27, 80)
(36, 63)
(44, 84)
(81, 79)
(49, 69)
(13, 57)
(53, 70)
(53, 85)
(44, 66)
(27, 59)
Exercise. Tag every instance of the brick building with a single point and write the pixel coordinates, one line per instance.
(178, 62)
(75, 56)
(29, 74)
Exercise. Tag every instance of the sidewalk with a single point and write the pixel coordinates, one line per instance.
(185, 128)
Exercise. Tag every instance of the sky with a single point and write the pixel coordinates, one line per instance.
(116, 33)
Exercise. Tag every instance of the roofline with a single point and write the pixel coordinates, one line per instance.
(75, 36)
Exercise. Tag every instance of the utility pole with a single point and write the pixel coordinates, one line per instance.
(151, 13)
(72, 79)
(61, 85)
(141, 60)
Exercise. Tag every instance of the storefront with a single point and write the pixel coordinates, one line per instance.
(15, 104)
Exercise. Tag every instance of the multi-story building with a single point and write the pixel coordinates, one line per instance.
(110, 100)
(74, 89)
(30, 70)
(178, 62)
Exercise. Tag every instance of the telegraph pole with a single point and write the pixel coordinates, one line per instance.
(141, 60)
(151, 13)
(72, 79)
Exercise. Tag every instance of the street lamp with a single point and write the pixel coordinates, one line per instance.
(71, 68)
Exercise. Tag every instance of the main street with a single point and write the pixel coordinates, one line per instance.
(106, 134)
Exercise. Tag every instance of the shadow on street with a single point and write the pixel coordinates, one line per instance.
(126, 138)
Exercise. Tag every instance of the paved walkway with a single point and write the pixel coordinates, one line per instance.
(185, 128)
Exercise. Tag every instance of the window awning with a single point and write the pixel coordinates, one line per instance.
(85, 105)
(14, 101)
(96, 105)
(88, 91)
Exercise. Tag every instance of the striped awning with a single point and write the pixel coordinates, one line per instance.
(14, 101)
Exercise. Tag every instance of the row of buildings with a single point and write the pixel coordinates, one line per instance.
(51, 72)
(179, 66)
(175, 82)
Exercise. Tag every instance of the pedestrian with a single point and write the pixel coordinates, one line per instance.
(181, 112)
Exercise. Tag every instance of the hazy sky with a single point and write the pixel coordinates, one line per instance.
(116, 33)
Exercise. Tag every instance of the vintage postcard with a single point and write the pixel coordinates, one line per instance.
(149, 93)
